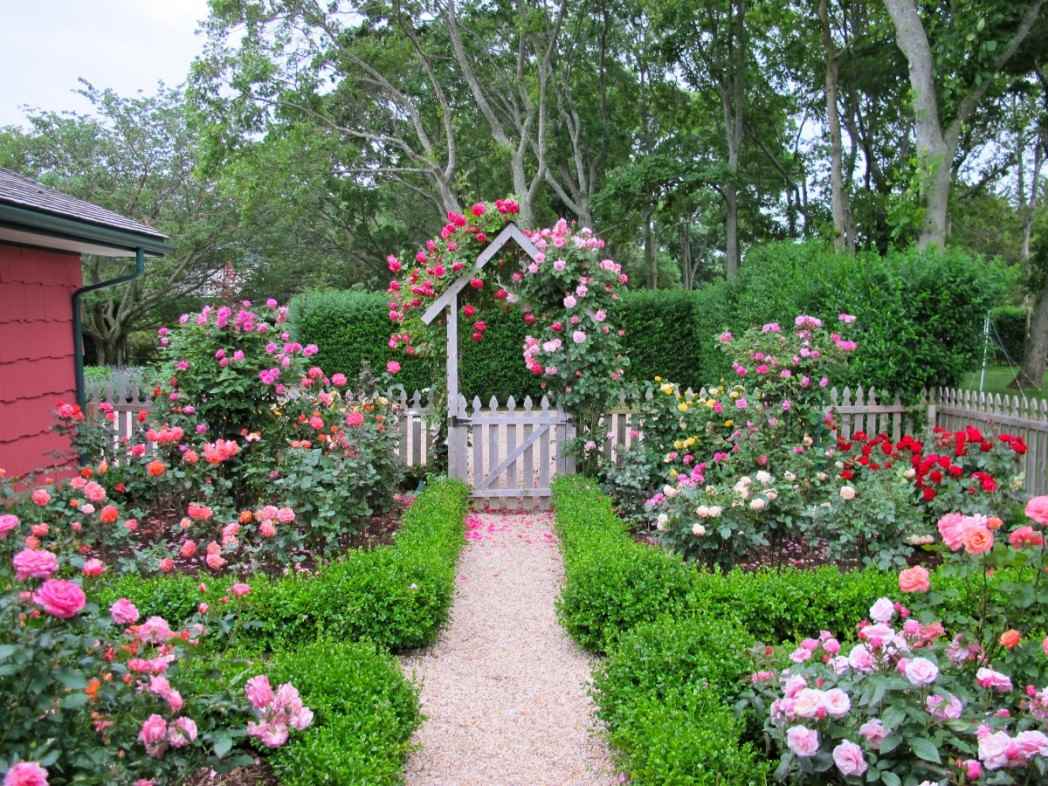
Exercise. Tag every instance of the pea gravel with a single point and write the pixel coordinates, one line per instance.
(504, 690)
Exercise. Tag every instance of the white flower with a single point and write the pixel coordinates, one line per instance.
(759, 504)
(715, 511)
(789, 476)
(698, 530)
(669, 491)
(882, 610)
(764, 478)
(910, 473)
(661, 522)
(771, 494)
(847, 492)
(821, 476)
(702, 511)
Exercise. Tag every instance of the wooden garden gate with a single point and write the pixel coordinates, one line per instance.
(501, 452)
(510, 451)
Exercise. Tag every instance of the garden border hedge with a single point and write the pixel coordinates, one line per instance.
(665, 690)
(330, 634)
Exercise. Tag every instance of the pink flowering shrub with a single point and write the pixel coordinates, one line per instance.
(241, 423)
(97, 695)
(920, 695)
(569, 295)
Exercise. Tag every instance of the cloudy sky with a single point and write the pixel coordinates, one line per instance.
(126, 45)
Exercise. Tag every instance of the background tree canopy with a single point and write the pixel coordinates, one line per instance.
(313, 138)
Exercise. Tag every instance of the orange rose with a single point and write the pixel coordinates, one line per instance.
(914, 579)
(246, 516)
(109, 514)
(156, 468)
(978, 540)
(1010, 639)
(93, 686)
(994, 523)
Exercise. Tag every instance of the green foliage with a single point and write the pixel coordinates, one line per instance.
(365, 711)
(612, 583)
(919, 312)
(1009, 333)
(657, 658)
(665, 335)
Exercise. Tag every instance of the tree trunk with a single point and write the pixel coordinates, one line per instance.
(934, 155)
(843, 237)
(685, 256)
(1030, 203)
(649, 251)
(1031, 375)
(731, 229)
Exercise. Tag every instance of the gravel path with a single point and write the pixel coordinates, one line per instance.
(504, 690)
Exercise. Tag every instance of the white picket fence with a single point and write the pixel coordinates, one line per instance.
(515, 449)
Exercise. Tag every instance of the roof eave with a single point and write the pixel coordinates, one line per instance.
(45, 223)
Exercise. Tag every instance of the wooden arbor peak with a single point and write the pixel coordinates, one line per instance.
(449, 301)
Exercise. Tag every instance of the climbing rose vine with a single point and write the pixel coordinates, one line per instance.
(567, 295)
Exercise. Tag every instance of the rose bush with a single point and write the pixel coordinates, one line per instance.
(936, 690)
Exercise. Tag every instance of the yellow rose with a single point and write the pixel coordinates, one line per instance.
(673, 473)
(729, 423)
(658, 378)
(735, 394)
(678, 444)
(683, 406)
(667, 389)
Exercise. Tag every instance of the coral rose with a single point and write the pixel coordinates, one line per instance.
(41, 497)
(978, 540)
(94, 567)
(109, 514)
(914, 579)
(1025, 536)
(1010, 639)
(156, 468)
(60, 598)
(1037, 509)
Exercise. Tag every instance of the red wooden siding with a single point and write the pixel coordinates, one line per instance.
(36, 354)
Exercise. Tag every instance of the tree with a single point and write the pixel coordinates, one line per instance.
(135, 156)
(940, 114)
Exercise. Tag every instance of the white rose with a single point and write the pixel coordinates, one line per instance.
(910, 473)
(715, 511)
(661, 522)
(821, 476)
(759, 504)
(669, 491)
(702, 511)
(771, 494)
(847, 492)
(698, 530)
(764, 478)
(789, 476)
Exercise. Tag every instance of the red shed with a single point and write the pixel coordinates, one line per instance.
(43, 233)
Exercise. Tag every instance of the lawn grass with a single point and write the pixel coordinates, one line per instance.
(997, 380)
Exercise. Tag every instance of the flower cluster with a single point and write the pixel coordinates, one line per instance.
(278, 711)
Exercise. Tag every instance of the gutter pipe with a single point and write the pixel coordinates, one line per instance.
(78, 339)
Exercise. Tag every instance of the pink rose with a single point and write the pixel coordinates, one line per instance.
(849, 759)
(267, 529)
(8, 522)
(94, 567)
(259, 691)
(837, 703)
(882, 611)
(860, 659)
(26, 773)
(921, 671)
(392, 367)
(988, 678)
(972, 769)
(60, 598)
(285, 515)
(810, 703)
(272, 735)
(41, 497)
(34, 564)
(153, 735)
(914, 579)
(95, 492)
(952, 527)
(155, 630)
(874, 732)
(993, 749)
(578, 337)
(804, 742)
(123, 612)
(240, 589)
(1037, 509)
(181, 732)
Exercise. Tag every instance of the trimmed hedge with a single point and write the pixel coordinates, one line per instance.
(365, 712)
(397, 596)
(663, 337)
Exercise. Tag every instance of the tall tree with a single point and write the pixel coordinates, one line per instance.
(940, 123)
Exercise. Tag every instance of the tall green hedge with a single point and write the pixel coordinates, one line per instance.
(920, 321)
(663, 336)
(1009, 325)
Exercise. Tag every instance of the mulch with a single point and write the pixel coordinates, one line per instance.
(257, 774)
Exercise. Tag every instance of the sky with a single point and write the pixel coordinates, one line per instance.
(126, 45)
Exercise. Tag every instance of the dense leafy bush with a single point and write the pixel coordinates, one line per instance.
(920, 313)
(365, 712)
(397, 596)
(351, 329)
(1009, 333)
(612, 583)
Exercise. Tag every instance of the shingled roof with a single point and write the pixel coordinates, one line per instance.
(23, 192)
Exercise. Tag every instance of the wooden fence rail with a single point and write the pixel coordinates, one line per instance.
(856, 409)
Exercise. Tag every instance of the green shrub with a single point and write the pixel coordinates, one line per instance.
(1009, 325)
(365, 712)
(657, 658)
(397, 596)
(662, 338)
(612, 583)
(686, 738)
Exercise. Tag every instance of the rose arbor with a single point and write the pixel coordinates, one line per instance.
(563, 288)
